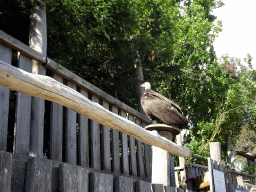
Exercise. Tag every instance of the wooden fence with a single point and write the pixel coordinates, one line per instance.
(39, 136)
(196, 171)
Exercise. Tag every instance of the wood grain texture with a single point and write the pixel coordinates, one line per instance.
(67, 178)
(158, 187)
(5, 171)
(70, 134)
(100, 182)
(133, 161)
(106, 143)
(83, 141)
(139, 155)
(148, 158)
(47, 88)
(95, 140)
(82, 176)
(5, 56)
(115, 146)
(210, 168)
(172, 172)
(124, 149)
(56, 127)
(65, 73)
(18, 175)
(37, 118)
(124, 184)
(170, 189)
(142, 186)
(38, 42)
(23, 114)
(39, 175)
(11, 42)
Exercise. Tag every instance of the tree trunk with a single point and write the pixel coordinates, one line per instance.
(139, 74)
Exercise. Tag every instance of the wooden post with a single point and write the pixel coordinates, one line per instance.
(161, 162)
(215, 151)
(182, 164)
(38, 42)
(228, 152)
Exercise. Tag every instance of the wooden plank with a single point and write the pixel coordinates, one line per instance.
(101, 182)
(196, 165)
(83, 141)
(133, 162)
(139, 155)
(196, 171)
(70, 134)
(39, 175)
(37, 118)
(210, 167)
(115, 146)
(124, 184)
(11, 42)
(191, 172)
(65, 73)
(124, 149)
(67, 177)
(49, 89)
(95, 141)
(170, 189)
(55, 175)
(5, 171)
(172, 172)
(82, 176)
(142, 186)
(23, 114)
(56, 128)
(106, 143)
(18, 175)
(5, 56)
(38, 42)
(158, 187)
(148, 159)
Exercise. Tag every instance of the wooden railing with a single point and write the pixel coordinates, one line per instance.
(232, 177)
(196, 170)
(48, 130)
(81, 132)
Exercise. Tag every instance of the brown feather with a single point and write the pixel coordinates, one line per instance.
(156, 105)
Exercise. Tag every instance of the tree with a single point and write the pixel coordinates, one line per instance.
(236, 106)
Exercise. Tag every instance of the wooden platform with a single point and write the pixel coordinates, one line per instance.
(163, 127)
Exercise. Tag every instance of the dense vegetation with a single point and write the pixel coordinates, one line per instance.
(174, 42)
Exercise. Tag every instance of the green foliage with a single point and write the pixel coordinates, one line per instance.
(174, 42)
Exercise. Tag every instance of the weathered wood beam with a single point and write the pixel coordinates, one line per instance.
(8, 41)
(47, 88)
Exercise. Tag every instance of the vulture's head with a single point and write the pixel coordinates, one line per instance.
(146, 85)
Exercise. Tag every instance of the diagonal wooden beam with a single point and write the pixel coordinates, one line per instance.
(47, 88)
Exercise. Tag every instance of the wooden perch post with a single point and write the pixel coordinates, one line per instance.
(215, 151)
(161, 162)
(47, 88)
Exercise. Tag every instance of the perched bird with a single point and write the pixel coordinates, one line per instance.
(157, 106)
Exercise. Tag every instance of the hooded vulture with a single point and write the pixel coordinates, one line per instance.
(157, 106)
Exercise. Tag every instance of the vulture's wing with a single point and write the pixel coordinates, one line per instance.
(163, 108)
(155, 94)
